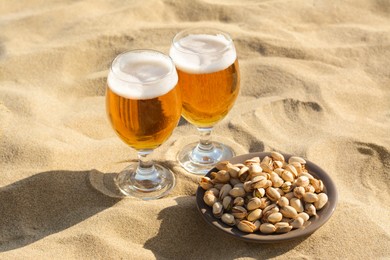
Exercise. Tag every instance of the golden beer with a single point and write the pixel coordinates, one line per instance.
(144, 123)
(143, 104)
(207, 98)
(209, 80)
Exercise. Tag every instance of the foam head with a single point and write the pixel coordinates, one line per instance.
(142, 74)
(203, 53)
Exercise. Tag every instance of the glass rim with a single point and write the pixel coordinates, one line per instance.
(179, 34)
(154, 80)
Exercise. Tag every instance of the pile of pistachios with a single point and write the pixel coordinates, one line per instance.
(268, 195)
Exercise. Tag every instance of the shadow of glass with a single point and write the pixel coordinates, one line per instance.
(46, 203)
(183, 234)
(182, 121)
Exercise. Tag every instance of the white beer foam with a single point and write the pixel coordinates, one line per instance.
(142, 75)
(202, 53)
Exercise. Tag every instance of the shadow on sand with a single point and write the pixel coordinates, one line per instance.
(183, 234)
(46, 203)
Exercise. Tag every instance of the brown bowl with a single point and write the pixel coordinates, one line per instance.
(322, 217)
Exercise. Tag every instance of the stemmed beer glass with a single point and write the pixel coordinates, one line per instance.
(209, 80)
(143, 104)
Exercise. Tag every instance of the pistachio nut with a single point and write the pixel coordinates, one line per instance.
(267, 228)
(228, 219)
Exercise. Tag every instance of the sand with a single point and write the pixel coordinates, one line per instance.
(315, 83)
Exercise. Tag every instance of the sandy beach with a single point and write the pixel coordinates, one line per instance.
(315, 82)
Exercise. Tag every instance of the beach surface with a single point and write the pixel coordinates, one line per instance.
(315, 82)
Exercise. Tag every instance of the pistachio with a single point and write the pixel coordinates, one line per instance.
(296, 204)
(268, 184)
(308, 175)
(297, 222)
(304, 216)
(255, 168)
(297, 166)
(237, 191)
(248, 186)
(278, 164)
(272, 194)
(210, 199)
(296, 159)
(279, 171)
(259, 182)
(267, 228)
(253, 203)
(276, 180)
(299, 192)
(217, 209)
(227, 203)
(228, 219)
(272, 208)
(283, 201)
(266, 167)
(254, 215)
(277, 156)
(239, 201)
(265, 202)
(291, 169)
(310, 197)
(287, 176)
(243, 173)
(206, 183)
(266, 160)
(257, 224)
(246, 226)
(310, 188)
(259, 192)
(310, 209)
(233, 171)
(275, 217)
(302, 181)
(221, 176)
(318, 185)
(239, 212)
(214, 191)
(282, 227)
(322, 200)
(287, 187)
(254, 160)
(223, 165)
(264, 174)
(288, 212)
(224, 191)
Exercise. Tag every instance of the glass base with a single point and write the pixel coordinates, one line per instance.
(157, 185)
(199, 161)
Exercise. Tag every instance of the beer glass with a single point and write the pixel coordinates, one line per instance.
(143, 104)
(209, 80)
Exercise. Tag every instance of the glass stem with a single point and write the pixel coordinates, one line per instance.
(145, 169)
(205, 144)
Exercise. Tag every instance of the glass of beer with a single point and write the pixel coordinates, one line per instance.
(209, 79)
(143, 104)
